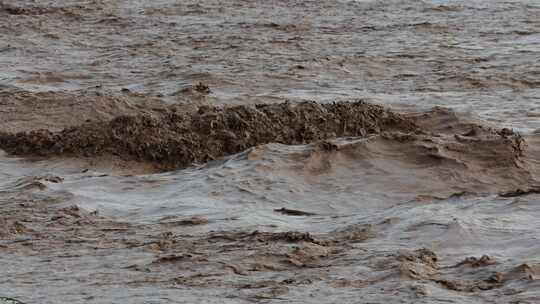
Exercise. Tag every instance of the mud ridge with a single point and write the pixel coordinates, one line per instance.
(175, 140)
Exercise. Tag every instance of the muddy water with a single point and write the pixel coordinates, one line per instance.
(475, 56)
(446, 215)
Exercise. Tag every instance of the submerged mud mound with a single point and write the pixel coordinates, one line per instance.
(174, 140)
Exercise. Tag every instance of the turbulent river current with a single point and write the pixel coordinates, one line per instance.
(269, 151)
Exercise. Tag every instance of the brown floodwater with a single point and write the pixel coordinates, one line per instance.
(150, 171)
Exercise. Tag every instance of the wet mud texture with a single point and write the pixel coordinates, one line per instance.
(176, 140)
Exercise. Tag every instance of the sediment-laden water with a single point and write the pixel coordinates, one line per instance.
(269, 151)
